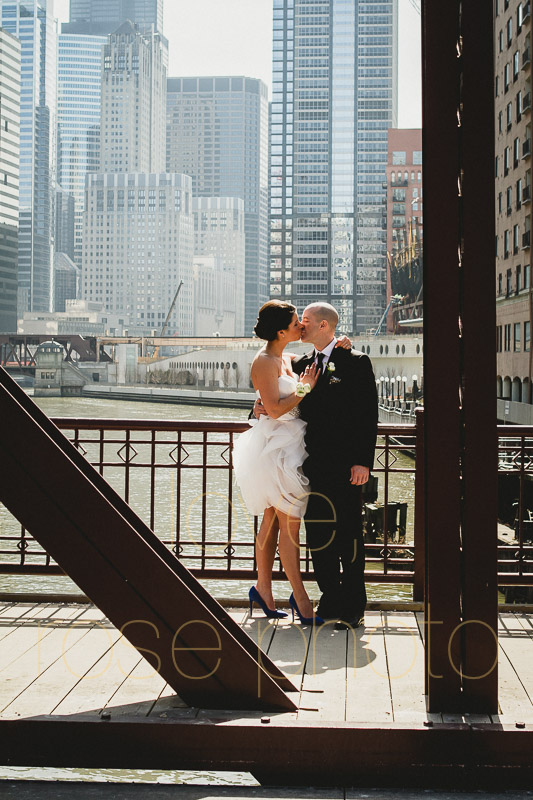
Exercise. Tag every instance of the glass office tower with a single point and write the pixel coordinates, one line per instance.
(33, 23)
(334, 96)
(78, 119)
(217, 132)
(9, 178)
(99, 17)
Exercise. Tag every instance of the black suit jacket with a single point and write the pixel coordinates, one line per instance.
(341, 414)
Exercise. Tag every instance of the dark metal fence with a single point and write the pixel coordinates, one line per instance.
(178, 477)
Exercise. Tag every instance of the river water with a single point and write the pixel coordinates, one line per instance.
(401, 489)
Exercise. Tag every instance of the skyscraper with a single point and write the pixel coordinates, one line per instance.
(78, 119)
(334, 95)
(217, 132)
(99, 17)
(138, 225)
(9, 178)
(138, 245)
(132, 130)
(32, 22)
(219, 233)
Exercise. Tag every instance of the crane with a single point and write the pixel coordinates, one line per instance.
(165, 324)
(395, 299)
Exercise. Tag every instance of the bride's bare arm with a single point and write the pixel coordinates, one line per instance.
(265, 380)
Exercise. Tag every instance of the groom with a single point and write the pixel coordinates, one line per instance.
(341, 414)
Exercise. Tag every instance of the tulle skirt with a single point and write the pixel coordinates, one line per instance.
(268, 462)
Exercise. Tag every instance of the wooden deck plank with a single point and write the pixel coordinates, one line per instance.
(98, 666)
(515, 673)
(371, 675)
(405, 659)
(323, 693)
(138, 692)
(21, 614)
(368, 696)
(39, 648)
(32, 632)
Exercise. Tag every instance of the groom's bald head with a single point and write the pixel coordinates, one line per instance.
(325, 312)
(319, 321)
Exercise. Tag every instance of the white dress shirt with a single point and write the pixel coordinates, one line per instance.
(327, 352)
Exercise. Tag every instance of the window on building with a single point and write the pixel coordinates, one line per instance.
(509, 197)
(506, 245)
(519, 193)
(516, 152)
(508, 282)
(500, 122)
(506, 77)
(516, 65)
(518, 106)
(507, 338)
(527, 336)
(526, 276)
(398, 157)
(500, 282)
(509, 115)
(509, 31)
(517, 337)
(515, 239)
(417, 156)
(518, 278)
(500, 41)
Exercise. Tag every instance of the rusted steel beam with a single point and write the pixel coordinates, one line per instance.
(142, 529)
(197, 648)
(478, 354)
(457, 756)
(442, 374)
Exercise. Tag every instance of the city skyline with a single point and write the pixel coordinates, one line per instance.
(244, 27)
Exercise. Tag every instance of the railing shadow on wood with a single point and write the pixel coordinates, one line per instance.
(178, 476)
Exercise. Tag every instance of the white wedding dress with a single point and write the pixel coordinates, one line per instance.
(268, 460)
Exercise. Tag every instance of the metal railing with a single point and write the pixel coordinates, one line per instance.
(178, 477)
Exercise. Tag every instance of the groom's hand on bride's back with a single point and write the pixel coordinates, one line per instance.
(258, 410)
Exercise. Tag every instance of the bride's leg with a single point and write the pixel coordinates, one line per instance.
(289, 553)
(265, 553)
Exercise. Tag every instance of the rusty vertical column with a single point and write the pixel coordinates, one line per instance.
(478, 317)
(442, 375)
(459, 368)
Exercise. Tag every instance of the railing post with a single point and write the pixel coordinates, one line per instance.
(419, 539)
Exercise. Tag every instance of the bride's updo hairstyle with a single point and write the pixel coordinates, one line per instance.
(274, 316)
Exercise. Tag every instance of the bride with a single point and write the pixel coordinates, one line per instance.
(268, 458)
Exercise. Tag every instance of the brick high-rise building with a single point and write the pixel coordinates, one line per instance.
(513, 208)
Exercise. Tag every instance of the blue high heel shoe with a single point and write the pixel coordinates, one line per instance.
(255, 597)
(316, 620)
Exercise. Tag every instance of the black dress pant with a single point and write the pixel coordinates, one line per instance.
(334, 532)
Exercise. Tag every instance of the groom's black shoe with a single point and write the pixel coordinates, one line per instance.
(346, 624)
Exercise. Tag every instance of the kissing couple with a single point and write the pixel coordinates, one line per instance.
(308, 453)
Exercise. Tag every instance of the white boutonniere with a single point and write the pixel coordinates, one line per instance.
(330, 366)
